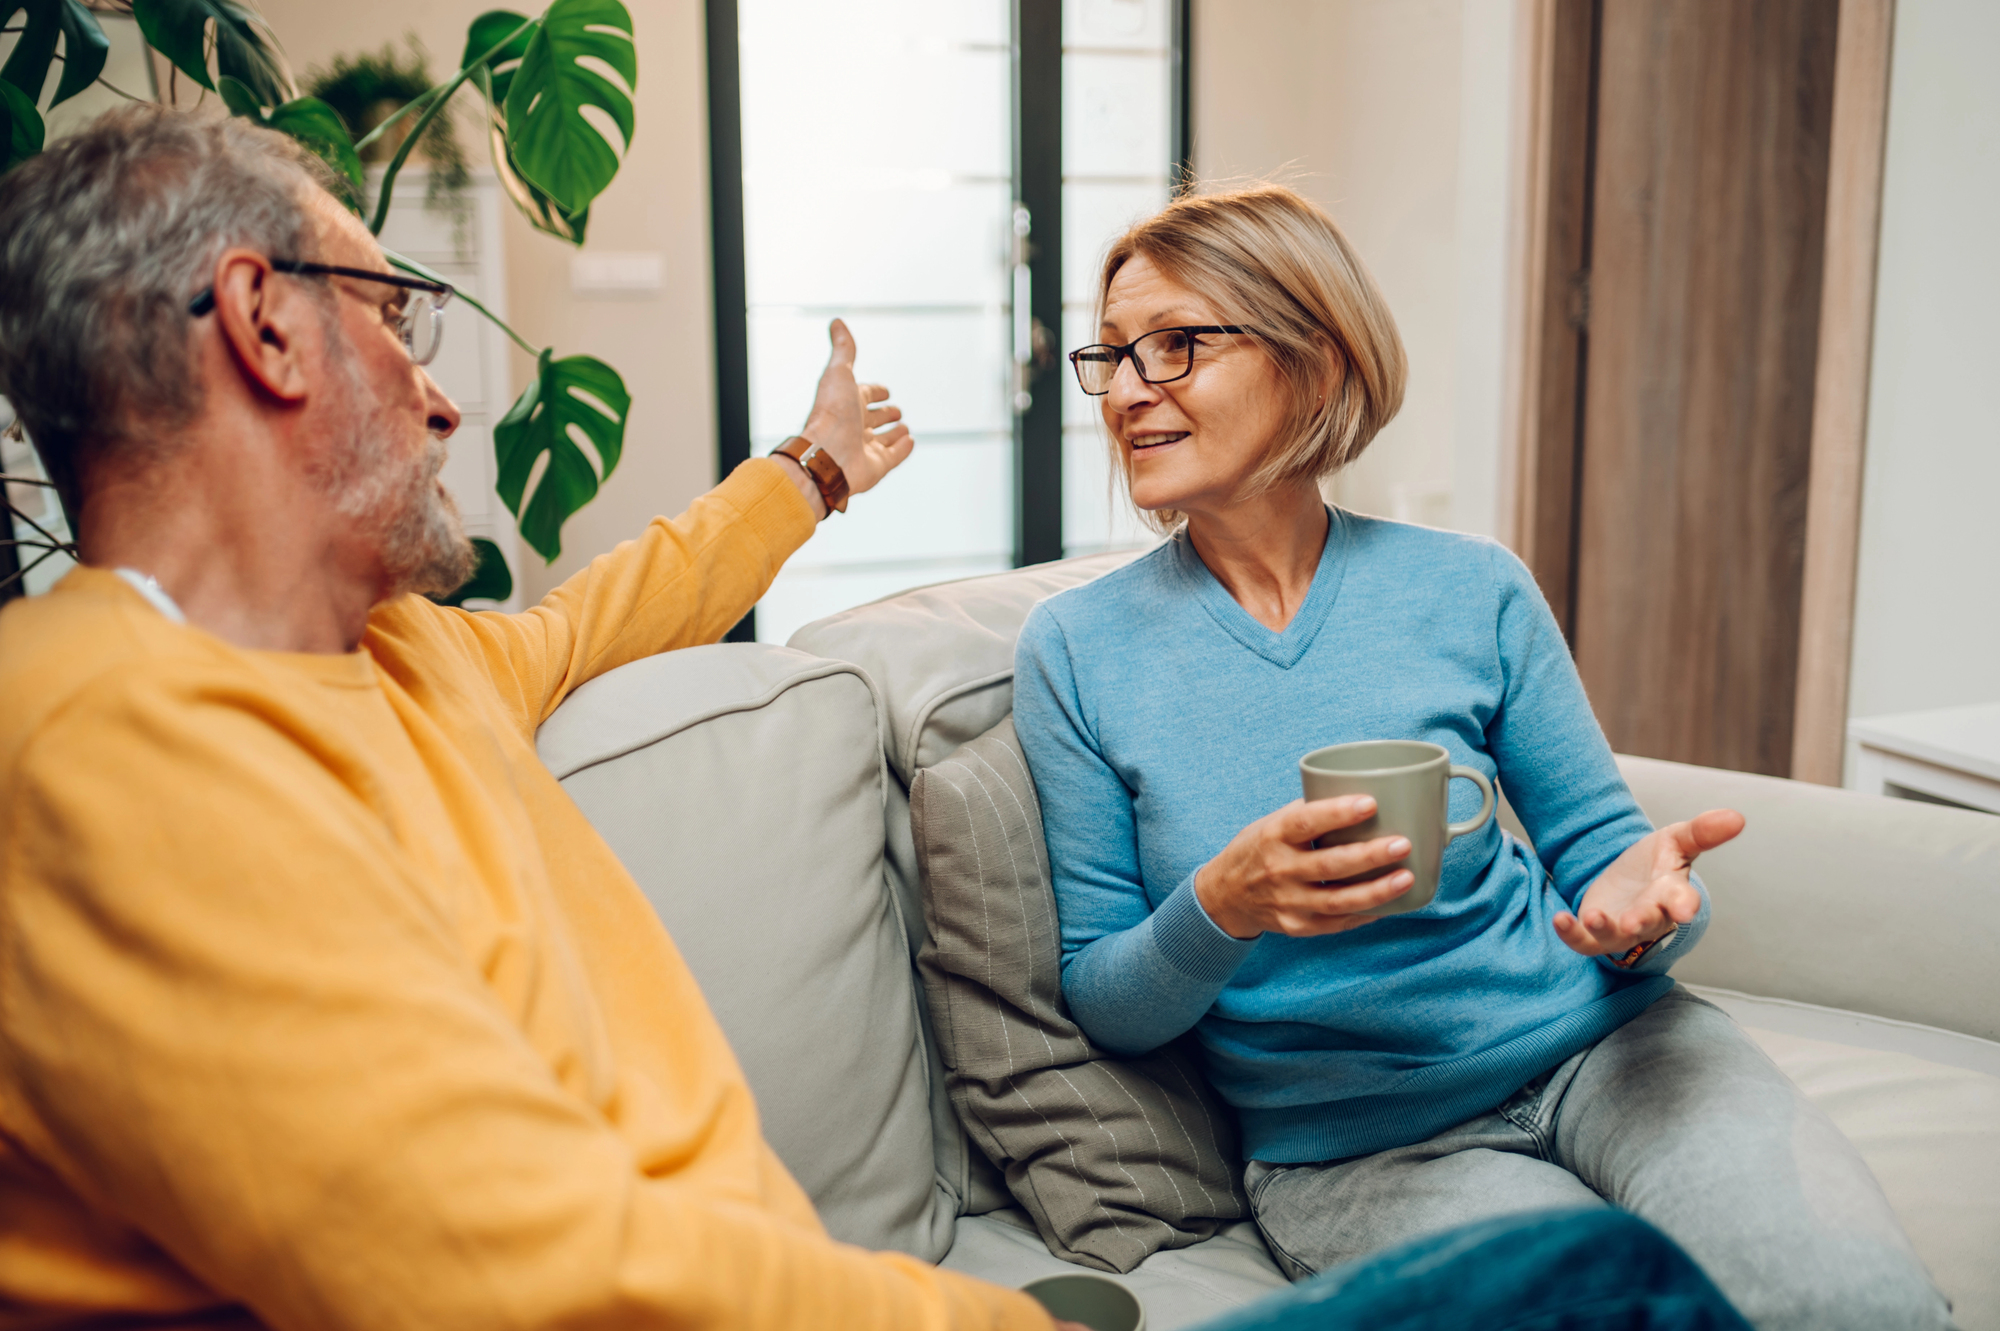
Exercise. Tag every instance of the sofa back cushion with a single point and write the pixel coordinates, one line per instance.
(1840, 899)
(743, 787)
(1114, 1158)
(943, 656)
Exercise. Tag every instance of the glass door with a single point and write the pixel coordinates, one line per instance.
(884, 149)
(876, 188)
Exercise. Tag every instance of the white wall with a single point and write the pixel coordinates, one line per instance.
(661, 343)
(1927, 612)
(1393, 115)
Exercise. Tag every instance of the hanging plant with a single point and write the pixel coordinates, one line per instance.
(367, 89)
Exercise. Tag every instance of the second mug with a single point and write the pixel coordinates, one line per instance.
(1410, 780)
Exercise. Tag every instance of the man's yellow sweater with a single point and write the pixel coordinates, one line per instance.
(322, 1006)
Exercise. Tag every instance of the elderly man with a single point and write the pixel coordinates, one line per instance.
(321, 1006)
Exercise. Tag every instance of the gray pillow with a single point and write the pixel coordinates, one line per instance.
(1114, 1158)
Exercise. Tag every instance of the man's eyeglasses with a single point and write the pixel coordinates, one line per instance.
(420, 325)
(1161, 356)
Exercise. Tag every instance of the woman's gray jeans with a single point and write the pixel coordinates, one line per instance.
(1677, 1117)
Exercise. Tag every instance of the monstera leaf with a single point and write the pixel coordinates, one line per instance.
(543, 213)
(20, 127)
(571, 397)
(491, 581)
(495, 76)
(489, 30)
(245, 50)
(307, 119)
(84, 47)
(555, 146)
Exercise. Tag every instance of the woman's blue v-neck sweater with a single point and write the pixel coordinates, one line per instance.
(1159, 719)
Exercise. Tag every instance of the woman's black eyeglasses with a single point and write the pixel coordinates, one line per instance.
(1161, 356)
(421, 324)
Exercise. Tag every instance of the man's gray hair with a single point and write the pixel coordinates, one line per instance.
(104, 239)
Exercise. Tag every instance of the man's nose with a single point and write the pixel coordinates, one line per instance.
(444, 413)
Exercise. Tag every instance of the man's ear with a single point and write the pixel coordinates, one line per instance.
(269, 325)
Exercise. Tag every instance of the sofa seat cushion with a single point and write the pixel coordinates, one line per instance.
(1929, 1129)
(1181, 1287)
(742, 785)
(1923, 1108)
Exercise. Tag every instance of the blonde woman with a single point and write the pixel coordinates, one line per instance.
(1513, 1045)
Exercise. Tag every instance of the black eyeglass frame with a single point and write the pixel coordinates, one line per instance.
(1128, 352)
(204, 301)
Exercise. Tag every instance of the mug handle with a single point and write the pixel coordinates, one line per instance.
(1453, 831)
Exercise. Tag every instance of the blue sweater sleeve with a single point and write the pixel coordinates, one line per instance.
(1555, 763)
(1134, 977)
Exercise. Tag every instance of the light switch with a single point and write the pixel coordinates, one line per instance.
(637, 274)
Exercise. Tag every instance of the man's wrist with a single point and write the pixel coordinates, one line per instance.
(820, 465)
(805, 483)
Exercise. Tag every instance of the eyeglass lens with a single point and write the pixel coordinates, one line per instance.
(1160, 358)
(423, 326)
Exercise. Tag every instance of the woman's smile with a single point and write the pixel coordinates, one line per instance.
(1140, 443)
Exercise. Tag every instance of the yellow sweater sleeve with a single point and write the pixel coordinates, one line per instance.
(682, 582)
(270, 1053)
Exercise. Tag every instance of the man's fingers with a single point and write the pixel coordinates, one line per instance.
(871, 393)
(843, 345)
(881, 416)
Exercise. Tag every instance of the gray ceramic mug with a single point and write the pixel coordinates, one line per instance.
(1098, 1302)
(1409, 779)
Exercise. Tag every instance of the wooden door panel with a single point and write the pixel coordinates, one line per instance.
(1708, 213)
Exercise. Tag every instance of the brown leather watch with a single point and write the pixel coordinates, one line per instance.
(826, 473)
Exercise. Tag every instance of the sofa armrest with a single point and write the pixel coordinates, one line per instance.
(1853, 901)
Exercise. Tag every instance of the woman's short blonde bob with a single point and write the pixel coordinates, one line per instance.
(1268, 259)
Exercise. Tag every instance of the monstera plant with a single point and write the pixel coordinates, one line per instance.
(537, 77)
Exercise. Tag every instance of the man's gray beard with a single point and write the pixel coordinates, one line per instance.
(421, 539)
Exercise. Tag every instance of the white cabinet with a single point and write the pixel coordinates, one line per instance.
(1951, 754)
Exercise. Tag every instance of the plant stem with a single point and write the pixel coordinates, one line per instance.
(421, 99)
(417, 131)
(60, 543)
(15, 577)
(411, 266)
(121, 92)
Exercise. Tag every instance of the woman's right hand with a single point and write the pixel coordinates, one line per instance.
(1269, 879)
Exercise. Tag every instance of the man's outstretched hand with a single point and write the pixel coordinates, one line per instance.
(867, 440)
(1645, 893)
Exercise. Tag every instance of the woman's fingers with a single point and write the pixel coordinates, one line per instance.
(1704, 832)
(1301, 822)
(1332, 910)
(1337, 862)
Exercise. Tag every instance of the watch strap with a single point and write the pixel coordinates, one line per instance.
(819, 465)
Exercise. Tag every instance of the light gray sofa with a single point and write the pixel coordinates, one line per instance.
(759, 795)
